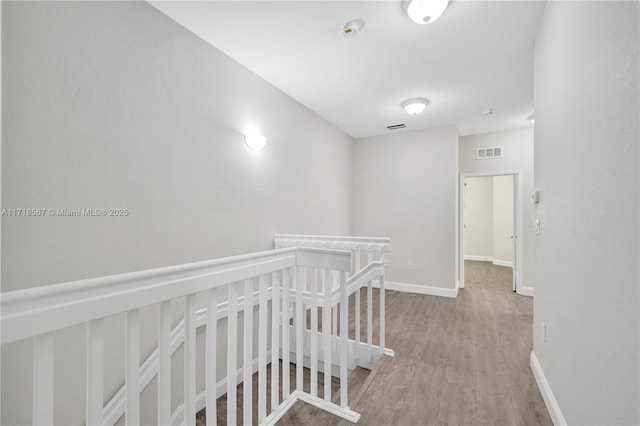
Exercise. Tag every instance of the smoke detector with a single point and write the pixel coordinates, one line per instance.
(351, 28)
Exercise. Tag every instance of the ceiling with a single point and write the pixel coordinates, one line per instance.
(477, 56)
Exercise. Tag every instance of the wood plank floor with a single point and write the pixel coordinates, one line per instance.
(461, 361)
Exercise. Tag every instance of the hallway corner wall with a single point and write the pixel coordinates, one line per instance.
(586, 330)
(517, 154)
(113, 105)
(404, 187)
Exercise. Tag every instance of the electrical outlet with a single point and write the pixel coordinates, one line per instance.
(410, 265)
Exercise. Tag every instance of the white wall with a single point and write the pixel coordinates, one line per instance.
(517, 149)
(503, 220)
(113, 105)
(404, 187)
(478, 218)
(587, 168)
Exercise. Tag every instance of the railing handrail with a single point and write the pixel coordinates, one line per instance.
(115, 407)
(313, 273)
(342, 242)
(30, 312)
(372, 271)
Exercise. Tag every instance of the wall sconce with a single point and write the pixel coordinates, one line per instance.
(255, 141)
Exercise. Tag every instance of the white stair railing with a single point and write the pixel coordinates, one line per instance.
(275, 277)
(365, 250)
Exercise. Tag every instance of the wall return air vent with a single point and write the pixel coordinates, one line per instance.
(486, 153)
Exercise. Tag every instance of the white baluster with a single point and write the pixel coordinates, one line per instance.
(190, 359)
(334, 323)
(305, 326)
(164, 362)
(370, 320)
(95, 372)
(326, 331)
(314, 332)
(132, 368)
(43, 379)
(275, 339)
(299, 327)
(247, 390)
(262, 351)
(382, 306)
(370, 308)
(344, 338)
(232, 354)
(356, 254)
(211, 358)
(286, 286)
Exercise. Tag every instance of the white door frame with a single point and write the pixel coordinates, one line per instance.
(517, 224)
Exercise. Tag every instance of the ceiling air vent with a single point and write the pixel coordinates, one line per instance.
(396, 126)
(486, 153)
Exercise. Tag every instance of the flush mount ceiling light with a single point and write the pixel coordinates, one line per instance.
(255, 141)
(415, 106)
(489, 111)
(351, 28)
(426, 11)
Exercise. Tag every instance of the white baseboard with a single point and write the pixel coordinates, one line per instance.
(421, 289)
(526, 291)
(497, 262)
(547, 394)
(478, 258)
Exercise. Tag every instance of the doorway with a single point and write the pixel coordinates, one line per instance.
(486, 236)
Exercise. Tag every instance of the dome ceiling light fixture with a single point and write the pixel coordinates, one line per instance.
(426, 11)
(415, 106)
